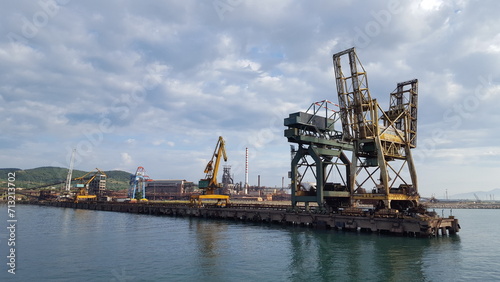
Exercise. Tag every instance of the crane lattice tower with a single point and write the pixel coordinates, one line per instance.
(319, 156)
(382, 169)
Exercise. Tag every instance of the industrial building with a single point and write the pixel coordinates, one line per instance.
(164, 189)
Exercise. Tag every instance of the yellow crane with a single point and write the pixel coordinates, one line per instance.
(96, 179)
(209, 184)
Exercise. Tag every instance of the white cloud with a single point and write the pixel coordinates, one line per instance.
(431, 5)
(126, 159)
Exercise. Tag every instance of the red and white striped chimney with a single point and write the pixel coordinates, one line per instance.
(246, 168)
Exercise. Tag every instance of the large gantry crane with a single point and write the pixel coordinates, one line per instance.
(382, 169)
(209, 184)
(137, 188)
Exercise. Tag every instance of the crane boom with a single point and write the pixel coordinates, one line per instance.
(209, 184)
(477, 198)
(70, 171)
(213, 170)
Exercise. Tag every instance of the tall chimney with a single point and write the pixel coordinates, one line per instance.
(246, 170)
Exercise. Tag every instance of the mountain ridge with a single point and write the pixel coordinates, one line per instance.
(39, 176)
(493, 194)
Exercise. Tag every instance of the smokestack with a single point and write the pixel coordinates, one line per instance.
(246, 170)
(258, 182)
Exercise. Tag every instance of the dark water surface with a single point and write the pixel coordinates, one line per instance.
(59, 244)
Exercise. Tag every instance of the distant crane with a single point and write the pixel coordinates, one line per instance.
(67, 189)
(477, 198)
(91, 185)
(209, 184)
(138, 184)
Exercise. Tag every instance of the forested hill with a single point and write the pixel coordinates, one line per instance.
(35, 177)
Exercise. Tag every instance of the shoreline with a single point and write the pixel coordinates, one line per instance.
(429, 205)
(462, 205)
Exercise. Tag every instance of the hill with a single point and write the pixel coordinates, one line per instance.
(36, 177)
(482, 195)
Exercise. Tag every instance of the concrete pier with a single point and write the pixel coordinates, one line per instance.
(417, 225)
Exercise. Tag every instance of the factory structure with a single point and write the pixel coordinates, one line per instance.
(92, 187)
(142, 187)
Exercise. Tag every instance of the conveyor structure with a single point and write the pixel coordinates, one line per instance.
(378, 168)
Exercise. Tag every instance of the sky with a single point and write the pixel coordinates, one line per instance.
(155, 83)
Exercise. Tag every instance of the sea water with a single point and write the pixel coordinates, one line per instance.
(62, 244)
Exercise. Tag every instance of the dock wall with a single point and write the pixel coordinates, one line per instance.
(397, 224)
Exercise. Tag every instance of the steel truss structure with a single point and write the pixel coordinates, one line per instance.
(382, 168)
(320, 154)
(380, 171)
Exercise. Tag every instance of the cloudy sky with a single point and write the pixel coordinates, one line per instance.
(154, 83)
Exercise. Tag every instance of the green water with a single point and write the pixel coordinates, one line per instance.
(57, 244)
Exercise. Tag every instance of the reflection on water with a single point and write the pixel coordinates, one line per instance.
(210, 240)
(343, 256)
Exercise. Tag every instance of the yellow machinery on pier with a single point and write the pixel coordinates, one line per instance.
(209, 184)
(90, 186)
